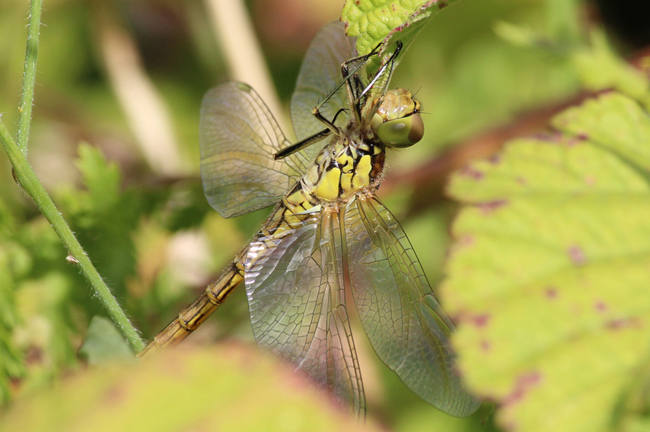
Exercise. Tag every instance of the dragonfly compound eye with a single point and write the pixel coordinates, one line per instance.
(401, 132)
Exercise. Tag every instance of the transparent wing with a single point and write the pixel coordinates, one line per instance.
(319, 74)
(297, 305)
(403, 320)
(238, 137)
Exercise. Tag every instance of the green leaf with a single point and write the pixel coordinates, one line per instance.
(104, 343)
(229, 388)
(376, 21)
(549, 276)
(601, 68)
(101, 178)
(613, 122)
(103, 217)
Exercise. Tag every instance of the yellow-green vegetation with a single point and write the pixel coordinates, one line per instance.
(180, 390)
(549, 277)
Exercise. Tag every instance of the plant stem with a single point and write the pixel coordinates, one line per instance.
(26, 177)
(29, 75)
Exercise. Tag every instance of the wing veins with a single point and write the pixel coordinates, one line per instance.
(395, 248)
(269, 120)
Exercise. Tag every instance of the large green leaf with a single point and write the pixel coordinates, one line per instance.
(550, 275)
(375, 21)
(227, 389)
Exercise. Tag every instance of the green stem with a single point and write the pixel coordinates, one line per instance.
(29, 75)
(27, 179)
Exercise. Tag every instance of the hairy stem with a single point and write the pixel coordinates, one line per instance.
(26, 177)
(29, 75)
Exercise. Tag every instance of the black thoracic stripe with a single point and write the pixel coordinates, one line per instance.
(360, 154)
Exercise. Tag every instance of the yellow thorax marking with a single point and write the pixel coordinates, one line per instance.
(362, 173)
(340, 171)
(346, 162)
(328, 187)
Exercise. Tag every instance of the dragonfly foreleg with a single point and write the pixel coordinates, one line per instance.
(347, 74)
(293, 148)
(361, 60)
(390, 64)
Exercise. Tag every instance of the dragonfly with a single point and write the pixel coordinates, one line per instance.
(328, 234)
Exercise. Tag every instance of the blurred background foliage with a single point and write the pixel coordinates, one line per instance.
(115, 141)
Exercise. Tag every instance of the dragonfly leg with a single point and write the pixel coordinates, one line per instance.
(318, 136)
(293, 148)
(390, 64)
(347, 74)
(364, 110)
(355, 88)
(362, 61)
(328, 124)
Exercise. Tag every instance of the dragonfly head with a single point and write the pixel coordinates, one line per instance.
(397, 121)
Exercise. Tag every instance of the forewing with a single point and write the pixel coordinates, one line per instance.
(238, 137)
(319, 74)
(403, 320)
(297, 305)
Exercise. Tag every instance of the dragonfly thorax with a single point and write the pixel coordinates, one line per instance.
(352, 163)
